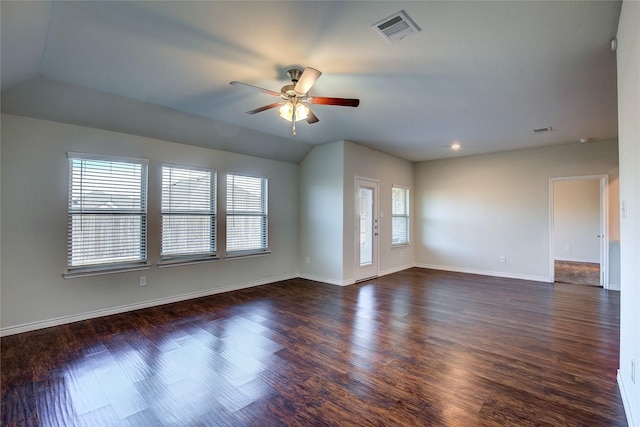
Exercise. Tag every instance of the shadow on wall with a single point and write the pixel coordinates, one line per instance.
(614, 264)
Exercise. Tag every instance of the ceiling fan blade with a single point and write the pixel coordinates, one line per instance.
(311, 118)
(266, 107)
(267, 91)
(307, 79)
(345, 102)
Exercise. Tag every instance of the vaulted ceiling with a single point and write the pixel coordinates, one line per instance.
(483, 74)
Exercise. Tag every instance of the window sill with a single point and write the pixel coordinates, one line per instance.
(231, 257)
(400, 245)
(95, 271)
(181, 262)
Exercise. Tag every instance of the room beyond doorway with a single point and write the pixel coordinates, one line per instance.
(579, 230)
(577, 273)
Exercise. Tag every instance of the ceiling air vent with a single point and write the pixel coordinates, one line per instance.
(547, 129)
(396, 27)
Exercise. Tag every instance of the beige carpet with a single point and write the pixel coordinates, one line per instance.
(578, 273)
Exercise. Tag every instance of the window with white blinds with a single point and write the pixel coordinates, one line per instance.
(399, 215)
(188, 213)
(107, 212)
(247, 219)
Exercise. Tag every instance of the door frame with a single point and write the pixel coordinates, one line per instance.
(356, 228)
(604, 224)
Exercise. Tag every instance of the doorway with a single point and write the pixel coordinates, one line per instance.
(578, 219)
(366, 229)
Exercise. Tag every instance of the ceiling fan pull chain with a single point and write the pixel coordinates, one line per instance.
(295, 104)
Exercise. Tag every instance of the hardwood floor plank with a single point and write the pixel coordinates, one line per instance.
(53, 403)
(417, 347)
(18, 408)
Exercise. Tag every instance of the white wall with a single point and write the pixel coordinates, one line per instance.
(628, 56)
(34, 217)
(470, 211)
(327, 210)
(614, 231)
(576, 220)
(321, 206)
(388, 171)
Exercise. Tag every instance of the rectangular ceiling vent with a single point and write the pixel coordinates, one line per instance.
(396, 27)
(547, 129)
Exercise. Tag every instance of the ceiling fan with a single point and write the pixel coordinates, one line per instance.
(295, 97)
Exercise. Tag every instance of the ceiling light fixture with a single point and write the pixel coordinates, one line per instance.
(295, 97)
(287, 111)
(294, 111)
(456, 146)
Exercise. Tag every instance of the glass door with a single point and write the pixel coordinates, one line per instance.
(366, 229)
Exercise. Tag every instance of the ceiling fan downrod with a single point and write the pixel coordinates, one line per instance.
(294, 74)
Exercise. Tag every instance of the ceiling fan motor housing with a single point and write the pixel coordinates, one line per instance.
(288, 91)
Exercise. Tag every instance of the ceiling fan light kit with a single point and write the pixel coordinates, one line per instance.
(295, 97)
(291, 111)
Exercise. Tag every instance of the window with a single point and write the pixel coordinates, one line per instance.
(246, 214)
(188, 213)
(400, 216)
(107, 215)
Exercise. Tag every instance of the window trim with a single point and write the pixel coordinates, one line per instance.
(196, 258)
(114, 267)
(87, 272)
(265, 214)
(407, 215)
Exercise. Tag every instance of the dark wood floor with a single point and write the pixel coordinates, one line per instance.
(418, 347)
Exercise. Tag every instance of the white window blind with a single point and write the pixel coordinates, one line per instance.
(246, 214)
(400, 216)
(188, 212)
(107, 212)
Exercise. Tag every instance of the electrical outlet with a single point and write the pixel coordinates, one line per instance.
(307, 260)
(567, 248)
(503, 259)
(143, 280)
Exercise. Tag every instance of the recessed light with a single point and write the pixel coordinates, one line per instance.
(456, 146)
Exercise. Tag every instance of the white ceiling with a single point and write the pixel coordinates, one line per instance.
(484, 74)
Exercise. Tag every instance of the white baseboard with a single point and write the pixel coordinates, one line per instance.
(348, 282)
(614, 286)
(395, 269)
(625, 400)
(11, 330)
(487, 273)
(327, 280)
